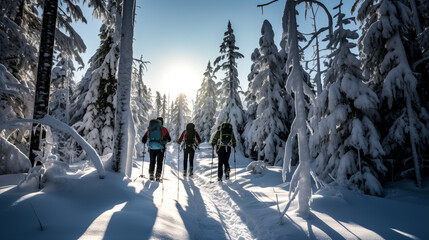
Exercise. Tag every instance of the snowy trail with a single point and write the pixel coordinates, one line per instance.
(203, 208)
(212, 199)
(218, 199)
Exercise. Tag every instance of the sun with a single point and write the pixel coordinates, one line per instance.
(182, 77)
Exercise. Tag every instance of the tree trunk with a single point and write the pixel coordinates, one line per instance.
(46, 50)
(123, 121)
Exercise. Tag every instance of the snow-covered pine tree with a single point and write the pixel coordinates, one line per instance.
(141, 102)
(94, 107)
(180, 116)
(70, 44)
(164, 107)
(230, 106)
(268, 131)
(158, 103)
(205, 105)
(18, 54)
(12, 160)
(141, 105)
(62, 87)
(404, 123)
(251, 106)
(345, 142)
(169, 122)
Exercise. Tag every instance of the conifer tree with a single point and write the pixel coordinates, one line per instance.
(141, 104)
(345, 142)
(268, 130)
(205, 105)
(250, 148)
(230, 106)
(180, 116)
(94, 107)
(404, 123)
(62, 87)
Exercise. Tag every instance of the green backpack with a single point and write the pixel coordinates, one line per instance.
(225, 138)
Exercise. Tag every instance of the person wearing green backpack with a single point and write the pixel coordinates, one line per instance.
(223, 139)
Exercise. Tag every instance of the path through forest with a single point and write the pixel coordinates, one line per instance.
(206, 209)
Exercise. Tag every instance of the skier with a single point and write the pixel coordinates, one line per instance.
(191, 140)
(158, 137)
(224, 138)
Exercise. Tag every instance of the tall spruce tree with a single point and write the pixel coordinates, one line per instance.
(62, 88)
(268, 130)
(345, 143)
(250, 148)
(93, 108)
(404, 124)
(230, 106)
(180, 116)
(158, 104)
(205, 105)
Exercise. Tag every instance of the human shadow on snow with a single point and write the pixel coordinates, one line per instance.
(137, 218)
(250, 207)
(196, 219)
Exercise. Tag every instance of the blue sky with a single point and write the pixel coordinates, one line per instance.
(179, 37)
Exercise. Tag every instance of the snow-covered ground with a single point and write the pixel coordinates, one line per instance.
(79, 205)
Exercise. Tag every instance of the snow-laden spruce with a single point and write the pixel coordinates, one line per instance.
(205, 105)
(180, 116)
(267, 133)
(141, 105)
(251, 106)
(94, 107)
(404, 120)
(345, 142)
(230, 108)
(62, 88)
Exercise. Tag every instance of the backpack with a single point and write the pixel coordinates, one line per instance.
(225, 138)
(155, 135)
(190, 134)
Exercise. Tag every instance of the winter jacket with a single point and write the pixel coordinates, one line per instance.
(183, 137)
(216, 140)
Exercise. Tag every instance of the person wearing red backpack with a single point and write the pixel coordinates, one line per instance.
(191, 140)
(158, 137)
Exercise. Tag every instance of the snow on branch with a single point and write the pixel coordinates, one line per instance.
(7, 80)
(48, 120)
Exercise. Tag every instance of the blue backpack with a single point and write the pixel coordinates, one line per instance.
(155, 135)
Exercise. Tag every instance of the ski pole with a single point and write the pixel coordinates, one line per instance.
(211, 168)
(144, 151)
(178, 173)
(235, 167)
(163, 168)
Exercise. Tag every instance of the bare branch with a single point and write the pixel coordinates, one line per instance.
(266, 4)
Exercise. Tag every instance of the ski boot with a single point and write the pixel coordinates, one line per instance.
(227, 175)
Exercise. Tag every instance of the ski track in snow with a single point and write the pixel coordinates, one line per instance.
(218, 200)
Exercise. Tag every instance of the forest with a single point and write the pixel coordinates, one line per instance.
(356, 114)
